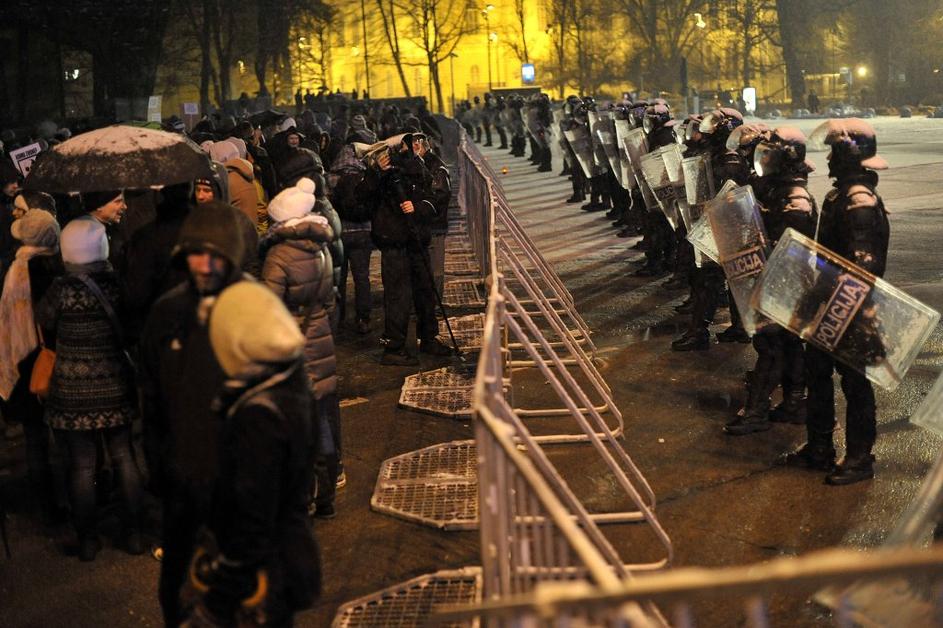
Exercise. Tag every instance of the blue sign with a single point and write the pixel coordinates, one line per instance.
(527, 73)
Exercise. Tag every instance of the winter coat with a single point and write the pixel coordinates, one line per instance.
(441, 190)
(259, 515)
(382, 191)
(242, 191)
(92, 385)
(298, 268)
(180, 377)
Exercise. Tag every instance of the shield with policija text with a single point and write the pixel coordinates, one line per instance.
(635, 144)
(842, 309)
(534, 126)
(623, 128)
(578, 139)
(700, 234)
(606, 134)
(698, 187)
(742, 245)
(599, 153)
(658, 180)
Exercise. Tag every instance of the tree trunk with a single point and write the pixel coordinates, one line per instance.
(206, 63)
(790, 33)
(434, 73)
(22, 72)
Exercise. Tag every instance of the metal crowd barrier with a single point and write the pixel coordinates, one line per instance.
(569, 604)
(534, 528)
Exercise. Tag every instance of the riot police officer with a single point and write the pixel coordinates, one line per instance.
(853, 224)
(659, 252)
(714, 130)
(500, 120)
(781, 187)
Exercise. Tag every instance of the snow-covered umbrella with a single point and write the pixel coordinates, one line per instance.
(118, 157)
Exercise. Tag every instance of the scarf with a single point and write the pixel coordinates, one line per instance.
(18, 337)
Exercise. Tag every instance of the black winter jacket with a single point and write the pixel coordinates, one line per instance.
(259, 516)
(384, 191)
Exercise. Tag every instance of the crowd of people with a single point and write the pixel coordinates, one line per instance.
(851, 222)
(206, 312)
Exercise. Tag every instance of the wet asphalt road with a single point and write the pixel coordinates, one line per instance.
(721, 499)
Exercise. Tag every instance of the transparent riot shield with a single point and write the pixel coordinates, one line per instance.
(578, 139)
(534, 127)
(606, 134)
(840, 308)
(623, 128)
(701, 235)
(635, 145)
(742, 245)
(599, 153)
(655, 171)
(698, 186)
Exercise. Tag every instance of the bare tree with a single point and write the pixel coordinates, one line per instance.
(389, 15)
(439, 27)
(515, 35)
(666, 31)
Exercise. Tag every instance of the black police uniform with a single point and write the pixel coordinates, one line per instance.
(786, 203)
(854, 224)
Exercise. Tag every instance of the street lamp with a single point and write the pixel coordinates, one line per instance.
(366, 53)
(862, 71)
(488, 9)
(452, 56)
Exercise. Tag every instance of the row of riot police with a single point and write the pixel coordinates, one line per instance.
(516, 120)
(656, 175)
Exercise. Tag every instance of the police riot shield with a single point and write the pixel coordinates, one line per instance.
(655, 170)
(606, 134)
(599, 153)
(742, 245)
(578, 139)
(636, 144)
(700, 234)
(860, 319)
(534, 127)
(698, 183)
(622, 129)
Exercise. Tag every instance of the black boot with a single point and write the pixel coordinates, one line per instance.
(88, 547)
(756, 414)
(792, 409)
(699, 340)
(817, 454)
(733, 334)
(854, 468)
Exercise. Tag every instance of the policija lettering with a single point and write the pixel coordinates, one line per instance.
(839, 311)
(745, 263)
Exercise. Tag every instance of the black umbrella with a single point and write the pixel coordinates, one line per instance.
(118, 157)
(266, 118)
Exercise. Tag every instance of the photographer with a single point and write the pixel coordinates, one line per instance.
(399, 189)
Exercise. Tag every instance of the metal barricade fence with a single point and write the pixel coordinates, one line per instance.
(680, 589)
(552, 535)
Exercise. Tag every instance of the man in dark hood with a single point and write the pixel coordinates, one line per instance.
(179, 377)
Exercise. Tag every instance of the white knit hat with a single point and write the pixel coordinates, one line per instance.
(84, 241)
(284, 125)
(223, 151)
(293, 202)
(249, 325)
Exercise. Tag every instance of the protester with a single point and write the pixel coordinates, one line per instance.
(36, 266)
(180, 378)
(298, 269)
(92, 390)
(258, 519)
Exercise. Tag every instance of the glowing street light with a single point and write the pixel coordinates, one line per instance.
(862, 71)
(488, 9)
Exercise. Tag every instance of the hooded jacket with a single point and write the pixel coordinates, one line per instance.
(298, 268)
(243, 194)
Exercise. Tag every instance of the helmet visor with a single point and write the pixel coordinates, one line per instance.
(710, 122)
(648, 124)
(767, 159)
